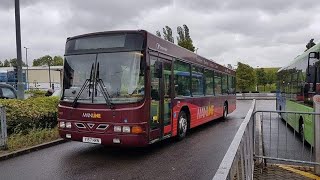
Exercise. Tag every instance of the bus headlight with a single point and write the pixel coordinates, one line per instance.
(62, 124)
(126, 129)
(68, 125)
(117, 128)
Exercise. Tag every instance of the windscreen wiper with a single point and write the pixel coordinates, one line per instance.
(104, 91)
(87, 81)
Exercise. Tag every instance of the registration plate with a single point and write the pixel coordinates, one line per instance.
(91, 140)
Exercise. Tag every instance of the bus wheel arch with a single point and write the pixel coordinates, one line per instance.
(183, 122)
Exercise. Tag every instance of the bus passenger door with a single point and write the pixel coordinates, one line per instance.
(160, 108)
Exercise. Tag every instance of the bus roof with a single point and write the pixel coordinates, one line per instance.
(302, 57)
(160, 45)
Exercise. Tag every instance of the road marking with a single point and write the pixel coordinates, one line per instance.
(302, 173)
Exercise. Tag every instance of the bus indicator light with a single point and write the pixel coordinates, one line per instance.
(136, 130)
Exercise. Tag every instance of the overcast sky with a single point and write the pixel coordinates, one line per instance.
(265, 33)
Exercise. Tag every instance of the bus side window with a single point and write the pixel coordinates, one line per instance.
(182, 78)
(217, 83)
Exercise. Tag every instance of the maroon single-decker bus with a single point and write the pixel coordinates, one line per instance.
(132, 88)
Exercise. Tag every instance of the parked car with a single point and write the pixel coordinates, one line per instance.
(7, 92)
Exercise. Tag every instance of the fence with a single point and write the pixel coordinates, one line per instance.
(3, 128)
(251, 96)
(288, 136)
(238, 161)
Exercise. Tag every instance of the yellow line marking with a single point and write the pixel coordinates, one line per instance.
(302, 173)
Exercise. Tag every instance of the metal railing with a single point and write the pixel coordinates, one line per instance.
(287, 136)
(251, 96)
(3, 128)
(238, 161)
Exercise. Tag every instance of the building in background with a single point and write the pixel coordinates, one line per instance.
(36, 77)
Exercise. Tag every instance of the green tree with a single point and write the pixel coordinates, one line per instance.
(6, 63)
(261, 78)
(45, 60)
(167, 34)
(245, 77)
(42, 61)
(271, 77)
(57, 61)
(158, 33)
(13, 62)
(184, 39)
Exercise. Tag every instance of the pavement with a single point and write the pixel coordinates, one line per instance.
(280, 172)
(198, 156)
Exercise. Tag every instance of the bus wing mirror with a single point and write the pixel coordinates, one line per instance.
(158, 69)
(312, 55)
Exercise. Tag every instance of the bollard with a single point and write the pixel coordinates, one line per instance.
(3, 129)
(316, 105)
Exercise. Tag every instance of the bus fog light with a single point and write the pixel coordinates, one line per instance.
(126, 129)
(62, 124)
(68, 136)
(116, 141)
(68, 125)
(117, 128)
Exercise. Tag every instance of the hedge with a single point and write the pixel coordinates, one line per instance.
(36, 93)
(33, 113)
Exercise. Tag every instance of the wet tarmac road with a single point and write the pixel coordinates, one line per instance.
(279, 139)
(196, 157)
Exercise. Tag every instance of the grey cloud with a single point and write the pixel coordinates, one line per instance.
(264, 33)
(9, 4)
(270, 6)
(105, 15)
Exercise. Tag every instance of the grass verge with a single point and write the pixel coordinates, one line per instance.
(34, 137)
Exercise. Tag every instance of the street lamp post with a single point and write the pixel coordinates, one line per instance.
(27, 73)
(18, 44)
(49, 74)
(257, 82)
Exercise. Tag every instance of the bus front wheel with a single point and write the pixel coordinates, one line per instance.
(301, 128)
(182, 125)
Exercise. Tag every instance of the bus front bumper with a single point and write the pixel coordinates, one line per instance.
(124, 140)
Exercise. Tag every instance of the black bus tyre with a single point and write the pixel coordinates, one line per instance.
(182, 125)
(225, 111)
(301, 129)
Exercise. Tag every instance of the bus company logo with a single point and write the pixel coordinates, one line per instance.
(205, 111)
(161, 47)
(91, 115)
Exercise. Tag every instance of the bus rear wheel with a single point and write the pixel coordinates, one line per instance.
(225, 111)
(182, 125)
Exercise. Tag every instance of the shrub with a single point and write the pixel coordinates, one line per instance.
(24, 115)
(36, 93)
(34, 137)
